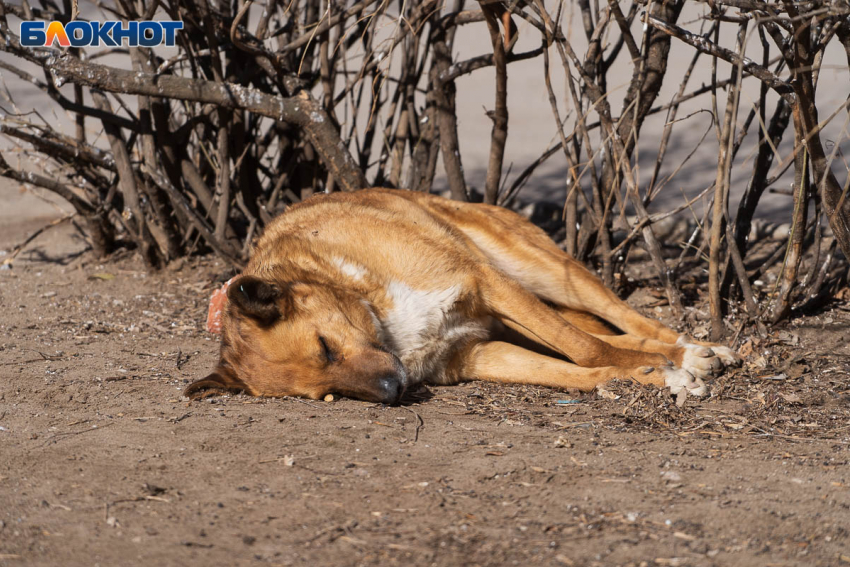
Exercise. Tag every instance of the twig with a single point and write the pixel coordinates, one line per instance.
(721, 194)
(783, 88)
(419, 423)
(59, 436)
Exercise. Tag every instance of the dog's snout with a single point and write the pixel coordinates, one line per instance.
(390, 389)
(374, 377)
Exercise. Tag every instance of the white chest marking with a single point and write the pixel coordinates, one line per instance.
(424, 330)
(416, 316)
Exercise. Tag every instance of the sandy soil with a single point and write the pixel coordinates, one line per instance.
(103, 463)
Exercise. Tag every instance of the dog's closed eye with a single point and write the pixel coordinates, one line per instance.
(327, 352)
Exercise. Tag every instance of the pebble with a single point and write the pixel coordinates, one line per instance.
(672, 476)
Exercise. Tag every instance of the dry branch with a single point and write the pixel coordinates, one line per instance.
(499, 115)
(705, 45)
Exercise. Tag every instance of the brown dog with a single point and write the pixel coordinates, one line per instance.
(366, 294)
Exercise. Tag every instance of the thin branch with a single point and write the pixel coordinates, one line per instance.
(783, 88)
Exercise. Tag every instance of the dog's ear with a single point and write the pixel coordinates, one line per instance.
(221, 380)
(256, 298)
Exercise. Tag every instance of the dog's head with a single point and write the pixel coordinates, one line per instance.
(301, 339)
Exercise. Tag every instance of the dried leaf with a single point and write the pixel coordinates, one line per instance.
(789, 338)
(607, 394)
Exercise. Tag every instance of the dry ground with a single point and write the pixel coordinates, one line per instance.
(103, 463)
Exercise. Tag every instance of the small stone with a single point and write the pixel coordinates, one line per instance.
(672, 476)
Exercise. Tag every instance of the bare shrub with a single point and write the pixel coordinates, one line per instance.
(262, 105)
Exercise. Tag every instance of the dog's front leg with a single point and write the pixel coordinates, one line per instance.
(507, 363)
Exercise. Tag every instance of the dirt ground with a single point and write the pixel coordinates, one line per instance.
(103, 463)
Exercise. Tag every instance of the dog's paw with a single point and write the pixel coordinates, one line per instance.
(701, 361)
(679, 379)
(727, 356)
(714, 357)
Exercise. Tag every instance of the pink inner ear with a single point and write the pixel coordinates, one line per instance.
(217, 302)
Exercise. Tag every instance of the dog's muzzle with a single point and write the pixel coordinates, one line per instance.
(392, 386)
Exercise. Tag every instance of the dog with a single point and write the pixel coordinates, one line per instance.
(369, 293)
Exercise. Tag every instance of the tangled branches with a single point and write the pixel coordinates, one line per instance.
(261, 105)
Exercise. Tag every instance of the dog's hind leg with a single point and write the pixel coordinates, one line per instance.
(507, 363)
(519, 309)
(527, 255)
(585, 321)
(531, 258)
(556, 277)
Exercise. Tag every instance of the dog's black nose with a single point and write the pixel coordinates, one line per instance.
(390, 389)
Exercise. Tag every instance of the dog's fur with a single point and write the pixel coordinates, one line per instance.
(366, 294)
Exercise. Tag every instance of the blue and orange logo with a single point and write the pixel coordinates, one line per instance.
(111, 33)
